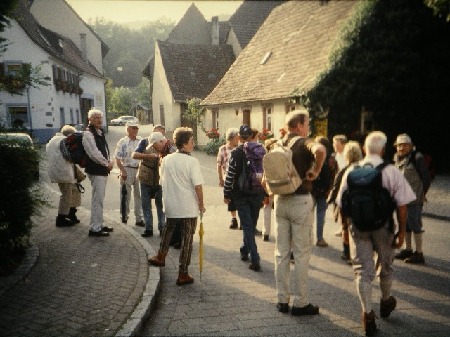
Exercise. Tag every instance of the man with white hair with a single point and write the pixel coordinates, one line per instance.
(383, 240)
(98, 166)
(128, 170)
(62, 171)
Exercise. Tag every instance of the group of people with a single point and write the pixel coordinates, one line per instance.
(170, 175)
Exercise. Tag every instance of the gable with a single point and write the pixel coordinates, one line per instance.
(289, 51)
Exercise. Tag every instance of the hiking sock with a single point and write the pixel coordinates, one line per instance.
(408, 240)
(418, 239)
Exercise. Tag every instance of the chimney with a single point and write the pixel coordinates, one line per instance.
(83, 45)
(215, 30)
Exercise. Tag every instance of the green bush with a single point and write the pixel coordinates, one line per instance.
(212, 147)
(19, 202)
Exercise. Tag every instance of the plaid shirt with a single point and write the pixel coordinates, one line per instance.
(223, 157)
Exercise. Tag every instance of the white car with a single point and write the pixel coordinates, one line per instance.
(122, 120)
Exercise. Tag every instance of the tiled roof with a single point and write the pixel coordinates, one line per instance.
(249, 17)
(296, 40)
(56, 45)
(194, 70)
(191, 29)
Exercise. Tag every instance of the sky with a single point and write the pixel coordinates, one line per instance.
(121, 11)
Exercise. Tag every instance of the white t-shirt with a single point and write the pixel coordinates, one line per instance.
(180, 173)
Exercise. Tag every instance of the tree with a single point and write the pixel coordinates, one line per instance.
(394, 63)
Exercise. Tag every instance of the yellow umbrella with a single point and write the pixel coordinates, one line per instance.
(200, 248)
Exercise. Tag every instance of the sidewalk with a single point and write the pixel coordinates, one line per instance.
(74, 285)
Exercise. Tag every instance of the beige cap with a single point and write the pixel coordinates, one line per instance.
(403, 139)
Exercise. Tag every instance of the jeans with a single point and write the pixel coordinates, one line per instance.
(248, 210)
(147, 194)
(321, 210)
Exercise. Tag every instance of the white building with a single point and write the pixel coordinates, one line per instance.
(74, 84)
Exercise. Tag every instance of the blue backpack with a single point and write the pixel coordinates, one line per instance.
(249, 181)
(366, 201)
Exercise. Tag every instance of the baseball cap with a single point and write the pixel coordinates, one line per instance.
(403, 139)
(245, 131)
(155, 137)
(131, 124)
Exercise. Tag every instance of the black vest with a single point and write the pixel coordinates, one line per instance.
(91, 166)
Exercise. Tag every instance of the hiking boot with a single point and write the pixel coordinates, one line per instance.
(139, 223)
(386, 307)
(63, 221)
(368, 323)
(184, 278)
(416, 258)
(254, 266)
(72, 215)
(234, 224)
(321, 243)
(147, 233)
(404, 253)
(158, 260)
(283, 307)
(307, 310)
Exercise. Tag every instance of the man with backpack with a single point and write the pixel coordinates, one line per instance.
(365, 186)
(241, 186)
(294, 214)
(412, 164)
(98, 166)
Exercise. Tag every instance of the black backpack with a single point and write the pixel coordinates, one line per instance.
(73, 150)
(366, 201)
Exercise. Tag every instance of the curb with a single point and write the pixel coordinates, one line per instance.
(434, 216)
(142, 311)
(22, 270)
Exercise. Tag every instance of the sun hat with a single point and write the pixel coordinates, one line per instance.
(403, 139)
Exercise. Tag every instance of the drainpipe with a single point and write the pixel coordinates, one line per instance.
(30, 118)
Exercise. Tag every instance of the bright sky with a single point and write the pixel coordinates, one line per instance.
(151, 10)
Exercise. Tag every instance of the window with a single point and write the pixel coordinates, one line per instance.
(215, 118)
(71, 116)
(18, 116)
(267, 117)
(62, 117)
(13, 68)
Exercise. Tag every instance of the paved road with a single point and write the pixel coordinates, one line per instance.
(81, 286)
(231, 300)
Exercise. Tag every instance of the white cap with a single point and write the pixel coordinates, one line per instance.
(155, 137)
(403, 139)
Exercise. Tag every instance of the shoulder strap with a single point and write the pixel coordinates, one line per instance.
(382, 166)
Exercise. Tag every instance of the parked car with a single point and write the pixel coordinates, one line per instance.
(122, 120)
(22, 140)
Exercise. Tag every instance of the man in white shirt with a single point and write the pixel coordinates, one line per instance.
(98, 166)
(128, 169)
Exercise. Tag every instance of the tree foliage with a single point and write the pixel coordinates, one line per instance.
(393, 62)
(129, 50)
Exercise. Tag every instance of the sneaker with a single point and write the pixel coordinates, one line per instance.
(338, 233)
(307, 310)
(107, 229)
(258, 232)
(283, 307)
(386, 307)
(321, 243)
(98, 234)
(234, 224)
(404, 253)
(416, 258)
(368, 322)
(124, 221)
(266, 237)
(254, 266)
